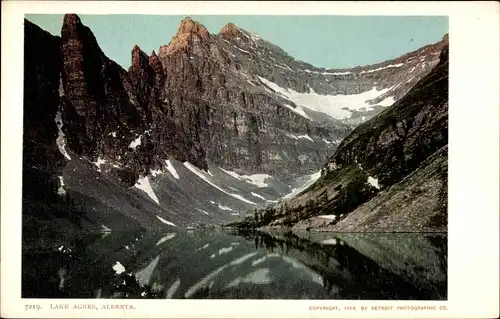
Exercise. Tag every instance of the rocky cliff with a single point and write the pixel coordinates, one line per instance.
(210, 126)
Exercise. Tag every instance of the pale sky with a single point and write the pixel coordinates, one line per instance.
(323, 41)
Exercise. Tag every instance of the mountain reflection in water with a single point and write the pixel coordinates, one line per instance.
(240, 265)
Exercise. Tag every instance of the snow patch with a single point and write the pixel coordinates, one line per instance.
(171, 291)
(203, 283)
(327, 73)
(387, 101)
(259, 276)
(61, 86)
(99, 162)
(61, 191)
(332, 217)
(312, 179)
(307, 137)
(257, 179)
(241, 50)
(135, 142)
(144, 275)
(166, 221)
(332, 241)
(258, 261)
(201, 248)
(60, 140)
(373, 181)
(232, 174)
(382, 68)
(224, 207)
(257, 195)
(144, 185)
(171, 169)
(225, 250)
(155, 172)
(298, 110)
(118, 268)
(336, 106)
(164, 239)
(105, 229)
(204, 212)
(242, 259)
(296, 264)
(243, 33)
(198, 172)
(255, 36)
(243, 199)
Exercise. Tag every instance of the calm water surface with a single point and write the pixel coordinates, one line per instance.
(235, 265)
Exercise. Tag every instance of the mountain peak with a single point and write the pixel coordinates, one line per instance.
(188, 26)
(231, 31)
(71, 22)
(139, 57)
(445, 38)
(188, 29)
(155, 63)
(71, 18)
(136, 48)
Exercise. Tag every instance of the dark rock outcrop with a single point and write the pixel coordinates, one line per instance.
(42, 160)
(96, 100)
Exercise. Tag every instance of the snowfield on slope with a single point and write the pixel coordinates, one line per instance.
(312, 179)
(258, 180)
(171, 169)
(144, 185)
(335, 106)
(204, 176)
(299, 110)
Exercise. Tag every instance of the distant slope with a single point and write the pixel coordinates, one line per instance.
(389, 174)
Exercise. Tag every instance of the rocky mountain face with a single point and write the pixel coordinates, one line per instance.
(207, 128)
(389, 174)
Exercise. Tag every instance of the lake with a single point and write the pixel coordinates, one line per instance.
(230, 264)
